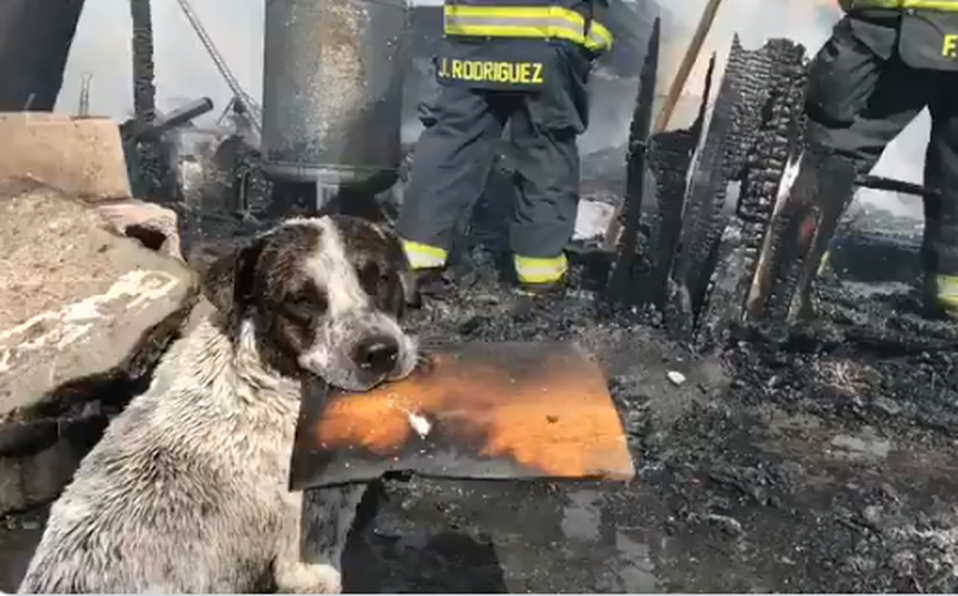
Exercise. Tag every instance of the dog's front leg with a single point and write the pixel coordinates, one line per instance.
(311, 553)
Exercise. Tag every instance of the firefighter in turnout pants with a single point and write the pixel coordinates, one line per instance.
(524, 63)
(886, 61)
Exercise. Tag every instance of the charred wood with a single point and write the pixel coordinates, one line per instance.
(622, 286)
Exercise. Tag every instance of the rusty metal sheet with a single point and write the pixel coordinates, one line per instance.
(476, 410)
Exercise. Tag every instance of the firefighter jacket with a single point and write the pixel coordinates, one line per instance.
(510, 44)
(928, 29)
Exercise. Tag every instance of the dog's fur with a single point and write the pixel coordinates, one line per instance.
(187, 490)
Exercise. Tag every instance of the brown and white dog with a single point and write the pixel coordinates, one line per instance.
(187, 490)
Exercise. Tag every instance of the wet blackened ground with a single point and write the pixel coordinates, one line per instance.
(799, 465)
(19, 535)
(816, 462)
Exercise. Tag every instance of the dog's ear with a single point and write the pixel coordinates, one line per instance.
(228, 282)
(407, 279)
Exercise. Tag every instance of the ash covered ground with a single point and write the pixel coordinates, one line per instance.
(820, 460)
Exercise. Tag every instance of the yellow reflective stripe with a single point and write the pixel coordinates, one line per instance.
(823, 265)
(940, 5)
(543, 22)
(537, 270)
(946, 289)
(550, 23)
(602, 36)
(594, 41)
(424, 256)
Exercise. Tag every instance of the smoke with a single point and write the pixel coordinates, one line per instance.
(754, 21)
(903, 159)
(184, 69)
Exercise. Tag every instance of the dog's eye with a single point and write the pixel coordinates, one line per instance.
(303, 306)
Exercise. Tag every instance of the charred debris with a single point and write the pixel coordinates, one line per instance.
(696, 221)
(695, 218)
(751, 486)
(721, 509)
(695, 213)
(695, 204)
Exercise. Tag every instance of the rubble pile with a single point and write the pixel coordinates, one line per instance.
(82, 157)
(804, 463)
(92, 288)
(875, 246)
(812, 462)
(86, 313)
(814, 459)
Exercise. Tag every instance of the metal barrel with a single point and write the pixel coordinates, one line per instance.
(332, 91)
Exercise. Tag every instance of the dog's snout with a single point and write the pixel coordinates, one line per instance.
(377, 355)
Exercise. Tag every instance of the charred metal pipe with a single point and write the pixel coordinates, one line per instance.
(184, 114)
(332, 92)
(892, 185)
(134, 130)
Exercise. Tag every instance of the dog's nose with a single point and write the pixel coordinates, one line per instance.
(377, 355)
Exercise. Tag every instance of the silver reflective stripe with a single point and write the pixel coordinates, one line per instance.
(542, 26)
(545, 27)
(598, 41)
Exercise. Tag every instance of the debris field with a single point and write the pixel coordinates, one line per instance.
(820, 458)
(820, 461)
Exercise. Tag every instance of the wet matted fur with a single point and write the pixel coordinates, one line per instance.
(187, 490)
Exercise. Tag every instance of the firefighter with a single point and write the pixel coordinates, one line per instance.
(885, 62)
(517, 63)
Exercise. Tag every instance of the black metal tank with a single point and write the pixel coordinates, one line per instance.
(35, 40)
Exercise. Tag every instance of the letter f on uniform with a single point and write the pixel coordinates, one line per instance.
(949, 46)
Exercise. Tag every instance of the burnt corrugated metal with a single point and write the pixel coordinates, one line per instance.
(35, 40)
(332, 90)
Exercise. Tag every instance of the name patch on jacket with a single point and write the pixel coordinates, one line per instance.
(929, 40)
(508, 65)
(949, 46)
(522, 73)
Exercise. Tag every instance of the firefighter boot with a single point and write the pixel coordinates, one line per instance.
(429, 278)
(541, 277)
(941, 295)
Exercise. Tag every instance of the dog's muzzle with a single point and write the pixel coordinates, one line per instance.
(377, 356)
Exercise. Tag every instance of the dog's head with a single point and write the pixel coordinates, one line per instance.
(322, 295)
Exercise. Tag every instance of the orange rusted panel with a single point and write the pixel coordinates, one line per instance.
(478, 410)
